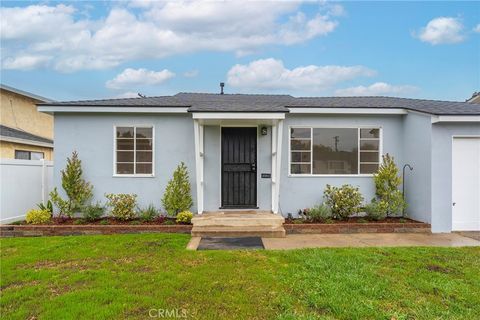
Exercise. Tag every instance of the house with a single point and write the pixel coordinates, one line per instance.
(277, 152)
(475, 98)
(25, 133)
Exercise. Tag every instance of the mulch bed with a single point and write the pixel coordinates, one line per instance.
(354, 220)
(107, 221)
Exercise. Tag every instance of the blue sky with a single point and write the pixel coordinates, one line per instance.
(90, 50)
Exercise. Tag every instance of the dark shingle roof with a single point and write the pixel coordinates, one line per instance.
(19, 134)
(209, 102)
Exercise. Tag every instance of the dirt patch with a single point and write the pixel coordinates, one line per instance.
(19, 285)
(436, 268)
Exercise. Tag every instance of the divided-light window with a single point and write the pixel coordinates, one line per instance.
(134, 150)
(331, 151)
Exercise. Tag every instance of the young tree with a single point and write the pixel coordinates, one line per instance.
(387, 181)
(177, 196)
(77, 189)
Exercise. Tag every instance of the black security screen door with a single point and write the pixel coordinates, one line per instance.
(239, 167)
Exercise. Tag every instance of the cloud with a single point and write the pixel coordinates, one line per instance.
(26, 62)
(272, 74)
(135, 77)
(156, 29)
(190, 74)
(477, 28)
(442, 30)
(376, 89)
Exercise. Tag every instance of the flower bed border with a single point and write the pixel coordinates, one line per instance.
(89, 229)
(369, 227)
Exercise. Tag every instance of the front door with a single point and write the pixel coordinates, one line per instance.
(466, 184)
(239, 167)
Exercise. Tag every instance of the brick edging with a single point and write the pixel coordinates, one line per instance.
(394, 227)
(89, 229)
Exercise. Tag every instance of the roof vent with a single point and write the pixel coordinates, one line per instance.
(222, 84)
(141, 95)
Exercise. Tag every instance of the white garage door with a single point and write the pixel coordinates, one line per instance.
(466, 184)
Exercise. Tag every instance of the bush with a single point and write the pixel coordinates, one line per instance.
(387, 180)
(177, 196)
(122, 204)
(93, 212)
(343, 201)
(48, 206)
(38, 216)
(148, 214)
(77, 189)
(184, 217)
(318, 213)
(376, 210)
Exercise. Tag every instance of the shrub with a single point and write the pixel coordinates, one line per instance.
(387, 180)
(148, 214)
(343, 201)
(38, 216)
(184, 217)
(93, 212)
(77, 189)
(318, 213)
(48, 206)
(122, 204)
(376, 210)
(177, 196)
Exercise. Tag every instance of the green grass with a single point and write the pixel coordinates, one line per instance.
(124, 276)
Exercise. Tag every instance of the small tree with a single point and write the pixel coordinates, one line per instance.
(77, 189)
(387, 180)
(177, 196)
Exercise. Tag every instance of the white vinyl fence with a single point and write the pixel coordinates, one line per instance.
(24, 184)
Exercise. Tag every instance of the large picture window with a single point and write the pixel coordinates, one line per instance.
(330, 151)
(134, 150)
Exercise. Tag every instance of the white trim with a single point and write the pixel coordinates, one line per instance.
(119, 109)
(238, 115)
(341, 110)
(464, 118)
(27, 142)
(311, 174)
(278, 166)
(199, 160)
(135, 175)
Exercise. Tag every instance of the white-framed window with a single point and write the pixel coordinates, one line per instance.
(29, 155)
(334, 151)
(134, 154)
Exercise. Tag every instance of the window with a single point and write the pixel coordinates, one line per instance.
(134, 150)
(343, 151)
(29, 155)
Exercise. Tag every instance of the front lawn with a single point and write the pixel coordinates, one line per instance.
(128, 276)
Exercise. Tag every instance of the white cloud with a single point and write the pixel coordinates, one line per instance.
(272, 74)
(191, 73)
(26, 62)
(477, 28)
(442, 30)
(376, 89)
(156, 29)
(135, 77)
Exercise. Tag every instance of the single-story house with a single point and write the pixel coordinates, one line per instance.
(277, 152)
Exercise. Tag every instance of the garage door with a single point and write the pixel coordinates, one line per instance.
(466, 184)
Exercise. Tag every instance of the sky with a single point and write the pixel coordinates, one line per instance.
(67, 50)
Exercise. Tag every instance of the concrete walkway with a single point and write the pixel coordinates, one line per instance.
(299, 241)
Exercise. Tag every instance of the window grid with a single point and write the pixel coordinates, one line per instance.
(134, 163)
(359, 151)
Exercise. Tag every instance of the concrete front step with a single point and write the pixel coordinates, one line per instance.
(238, 224)
(227, 231)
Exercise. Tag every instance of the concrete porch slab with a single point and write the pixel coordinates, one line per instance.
(299, 241)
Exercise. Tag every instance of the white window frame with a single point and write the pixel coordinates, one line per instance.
(136, 175)
(311, 174)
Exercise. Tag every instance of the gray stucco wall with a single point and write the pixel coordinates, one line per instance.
(303, 192)
(442, 135)
(92, 136)
(417, 134)
(212, 171)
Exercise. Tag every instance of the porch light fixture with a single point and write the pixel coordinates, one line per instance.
(264, 131)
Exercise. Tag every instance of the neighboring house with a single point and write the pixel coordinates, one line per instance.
(25, 133)
(475, 98)
(277, 152)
